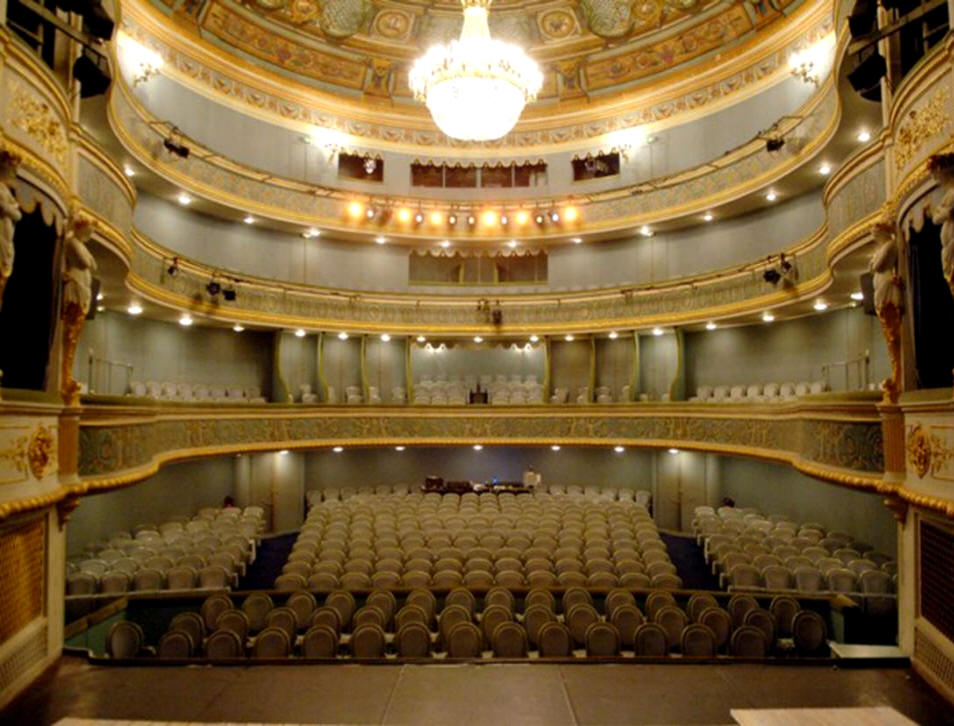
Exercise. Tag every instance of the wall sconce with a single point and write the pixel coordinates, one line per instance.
(811, 64)
(142, 62)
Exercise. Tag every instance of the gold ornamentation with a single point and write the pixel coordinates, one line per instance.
(73, 319)
(898, 507)
(38, 121)
(41, 452)
(77, 298)
(15, 457)
(890, 317)
(921, 125)
(919, 450)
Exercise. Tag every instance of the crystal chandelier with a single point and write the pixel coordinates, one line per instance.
(475, 87)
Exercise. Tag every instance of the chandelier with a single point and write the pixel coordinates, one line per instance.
(475, 87)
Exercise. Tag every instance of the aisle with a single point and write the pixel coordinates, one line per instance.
(271, 556)
(690, 562)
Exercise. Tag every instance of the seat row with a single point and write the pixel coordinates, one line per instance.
(545, 627)
(215, 392)
(640, 496)
(758, 393)
(209, 550)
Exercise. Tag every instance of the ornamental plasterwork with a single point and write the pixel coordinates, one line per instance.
(104, 196)
(864, 193)
(226, 84)
(931, 451)
(26, 451)
(849, 444)
(37, 120)
(921, 125)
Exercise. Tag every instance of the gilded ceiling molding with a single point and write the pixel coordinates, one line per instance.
(234, 82)
(733, 175)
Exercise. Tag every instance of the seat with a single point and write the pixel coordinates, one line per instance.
(809, 632)
(697, 641)
(719, 623)
(673, 621)
(125, 639)
(748, 641)
(234, 620)
(272, 642)
(412, 639)
(578, 618)
(554, 640)
(223, 645)
(738, 606)
(650, 639)
(464, 640)
(368, 641)
(783, 609)
(284, 618)
(764, 621)
(175, 644)
(303, 604)
(697, 603)
(655, 601)
(320, 641)
(256, 607)
(509, 640)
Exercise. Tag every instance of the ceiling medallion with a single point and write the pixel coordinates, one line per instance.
(475, 87)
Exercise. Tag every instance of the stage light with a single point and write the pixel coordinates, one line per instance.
(646, 231)
(129, 171)
(471, 220)
(436, 218)
(91, 69)
(512, 244)
(478, 447)
(504, 220)
(421, 339)
(311, 233)
(489, 218)
(399, 448)
(404, 215)
(824, 169)
(522, 217)
(445, 244)
(213, 288)
(554, 216)
(539, 219)
(858, 296)
(452, 219)
(571, 214)
(355, 209)
(673, 451)
(370, 212)
(478, 339)
(419, 218)
(864, 136)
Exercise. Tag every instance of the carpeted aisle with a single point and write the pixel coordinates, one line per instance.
(690, 562)
(271, 556)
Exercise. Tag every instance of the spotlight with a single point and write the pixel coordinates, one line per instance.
(229, 294)
(857, 296)
(708, 217)
(421, 339)
(129, 171)
(283, 452)
(820, 305)
(478, 447)
(522, 217)
(771, 196)
(489, 218)
(774, 144)
(864, 136)
(399, 448)
(512, 244)
(504, 220)
(673, 451)
(445, 243)
(92, 71)
(452, 219)
(571, 214)
(471, 220)
(176, 147)
(370, 212)
(370, 165)
(419, 218)
(646, 231)
(213, 288)
(338, 449)
(772, 276)
(478, 339)
(539, 219)
(824, 169)
(404, 215)
(311, 233)
(173, 269)
(436, 218)
(555, 447)
(576, 240)
(554, 216)
(355, 209)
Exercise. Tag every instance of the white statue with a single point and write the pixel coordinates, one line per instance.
(10, 214)
(883, 265)
(78, 277)
(941, 167)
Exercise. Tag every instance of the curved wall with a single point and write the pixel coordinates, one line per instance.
(281, 151)
(325, 262)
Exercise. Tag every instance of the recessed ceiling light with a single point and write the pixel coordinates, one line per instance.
(421, 339)
(674, 451)
(820, 305)
(619, 449)
(300, 333)
(478, 447)
(338, 449)
(385, 337)
(859, 296)
(478, 339)
(824, 169)
(771, 196)
(134, 309)
(768, 317)
(185, 320)
(645, 231)
(129, 171)
(342, 335)
(657, 331)
(99, 297)
(512, 243)
(381, 240)
(864, 136)
(708, 216)
(445, 243)
(555, 447)
(399, 448)
(310, 233)
(576, 240)
(249, 219)
(283, 452)
(184, 199)
(569, 338)
(613, 335)
(711, 326)
(101, 308)
(237, 328)
(534, 338)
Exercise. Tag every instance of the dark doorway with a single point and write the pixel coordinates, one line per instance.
(933, 310)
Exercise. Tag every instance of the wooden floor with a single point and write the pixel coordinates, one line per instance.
(464, 695)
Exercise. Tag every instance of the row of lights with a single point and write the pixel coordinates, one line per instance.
(863, 136)
(360, 212)
(480, 447)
